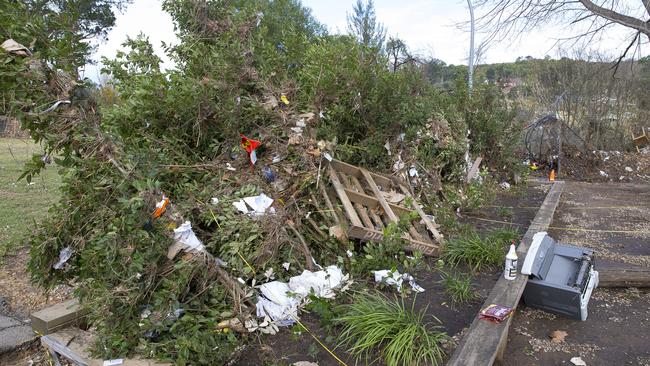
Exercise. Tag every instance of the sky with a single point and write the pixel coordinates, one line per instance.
(429, 28)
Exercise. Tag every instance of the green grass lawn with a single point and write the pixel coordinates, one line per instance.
(22, 204)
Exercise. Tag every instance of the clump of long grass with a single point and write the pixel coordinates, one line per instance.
(477, 252)
(377, 327)
(459, 287)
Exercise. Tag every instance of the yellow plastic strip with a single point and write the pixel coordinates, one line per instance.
(319, 342)
(214, 217)
(566, 228)
(245, 261)
(571, 208)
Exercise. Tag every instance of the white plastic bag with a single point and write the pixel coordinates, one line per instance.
(260, 203)
(64, 255)
(280, 301)
(321, 282)
(184, 235)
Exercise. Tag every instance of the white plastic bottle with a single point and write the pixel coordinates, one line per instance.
(510, 272)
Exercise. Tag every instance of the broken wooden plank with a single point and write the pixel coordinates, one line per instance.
(473, 171)
(73, 343)
(376, 218)
(369, 213)
(623, 275)
(372, 202)
(361, 210)
(379, 197)
(485, 340)
(431, 226)
(363, 233)
(340, 191)
(328, 202)
(641, 140)
(57, 317)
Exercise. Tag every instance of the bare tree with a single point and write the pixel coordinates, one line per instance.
(601, 110)
(506, 18)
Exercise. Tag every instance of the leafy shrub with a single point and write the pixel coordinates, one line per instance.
(389, 253)
(491, 118)
(375, 327)
(364, 103)
(477, 252)
(472, 196)
(324, 308)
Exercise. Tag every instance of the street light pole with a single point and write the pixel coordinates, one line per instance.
(471, 48)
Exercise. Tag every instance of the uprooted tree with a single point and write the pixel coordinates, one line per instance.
(175, 132)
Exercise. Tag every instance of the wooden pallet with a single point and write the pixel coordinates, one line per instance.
(362, 195)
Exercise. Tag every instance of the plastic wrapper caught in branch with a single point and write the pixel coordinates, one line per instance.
(64, 255)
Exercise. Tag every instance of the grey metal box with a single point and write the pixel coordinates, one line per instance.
(561, 277)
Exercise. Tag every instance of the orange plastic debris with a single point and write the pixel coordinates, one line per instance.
(551, 177)
(160, 207)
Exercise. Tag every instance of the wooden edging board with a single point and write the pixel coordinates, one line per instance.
(72, 343)
(486, 341)
(623, 275)
(59, 316)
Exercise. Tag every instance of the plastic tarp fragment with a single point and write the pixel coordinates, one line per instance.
(394, 278)
(185, 235)
(280, 301)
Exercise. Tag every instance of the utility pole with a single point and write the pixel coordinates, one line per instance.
(470, 65)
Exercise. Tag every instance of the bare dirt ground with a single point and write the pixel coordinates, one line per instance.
(614, 220)
(21, 296)
(286, 347)
(603, 166)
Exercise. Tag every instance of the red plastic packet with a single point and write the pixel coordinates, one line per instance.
(495, 313)
(250, 146)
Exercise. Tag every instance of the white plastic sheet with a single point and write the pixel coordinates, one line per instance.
(321, 282)
(276, 304)
(280, 301)
(259, 205)
(185, 235)
(241, 206)
(394, 278)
